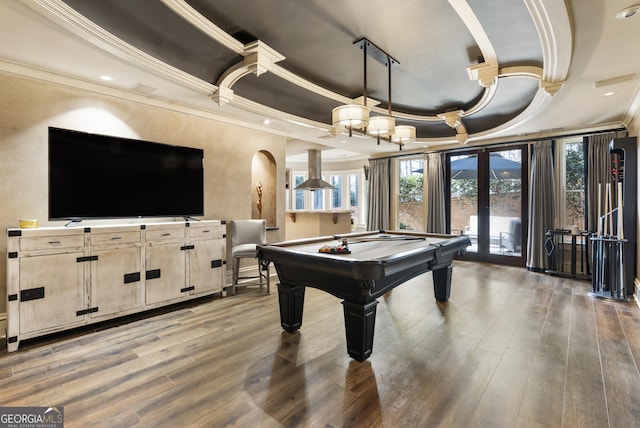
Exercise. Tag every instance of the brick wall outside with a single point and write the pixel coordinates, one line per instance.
(410, 216)
(503, 205)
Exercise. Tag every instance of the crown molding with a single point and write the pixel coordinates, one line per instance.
(197, 20)
(633, 110)
(551, 19)
(63, 15)
(472, 23)
(74, 82)
(549, 16)
(540, 100)
(192, 16)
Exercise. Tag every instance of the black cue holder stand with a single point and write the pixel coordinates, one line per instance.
(568, 254)
(608, 279)
(624, 153)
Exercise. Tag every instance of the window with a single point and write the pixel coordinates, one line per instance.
(349, 194)
(354, 197)
(336, 193)
(571, 184)
(318, 199)
(299, 200)
(410, 211)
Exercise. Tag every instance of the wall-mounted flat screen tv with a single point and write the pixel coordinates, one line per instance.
(98, 176)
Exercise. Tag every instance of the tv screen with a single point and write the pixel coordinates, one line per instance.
(97, 176)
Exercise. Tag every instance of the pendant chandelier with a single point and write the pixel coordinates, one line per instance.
(384, 126)
(356, 116)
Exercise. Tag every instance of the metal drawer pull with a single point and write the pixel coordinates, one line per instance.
(54, 242)
(116, 237)
(32, 294)
(166, 234)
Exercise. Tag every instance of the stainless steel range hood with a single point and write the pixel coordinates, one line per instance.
(315, 181)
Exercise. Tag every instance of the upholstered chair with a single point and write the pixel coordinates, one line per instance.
(246, 235)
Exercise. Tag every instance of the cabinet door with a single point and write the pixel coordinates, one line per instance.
(165, 275)
(115, 280)
(206, 271)
(51, 291)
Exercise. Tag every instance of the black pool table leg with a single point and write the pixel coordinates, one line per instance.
(291, 299)
(442, 282)
(359, 322)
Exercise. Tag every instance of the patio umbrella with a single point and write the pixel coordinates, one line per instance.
(499, 168)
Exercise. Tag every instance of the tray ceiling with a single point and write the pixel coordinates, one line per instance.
(470, 72)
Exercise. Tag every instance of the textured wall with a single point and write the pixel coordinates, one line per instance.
(28, 107)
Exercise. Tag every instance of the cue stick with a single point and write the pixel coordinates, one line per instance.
(609, 207)
(621, 288)
(390, 238)
(620, 230)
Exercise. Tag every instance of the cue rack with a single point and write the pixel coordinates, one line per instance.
(614, 244)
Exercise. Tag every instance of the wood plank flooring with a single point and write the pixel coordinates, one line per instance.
(510, 349)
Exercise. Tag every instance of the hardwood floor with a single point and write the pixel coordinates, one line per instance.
(510, 349)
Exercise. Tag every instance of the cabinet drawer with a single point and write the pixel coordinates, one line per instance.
(160, 235)
(212, 231)
(51, 242)
(115, 237)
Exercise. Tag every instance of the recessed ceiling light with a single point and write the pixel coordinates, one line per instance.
(266, 121)
(106, 78)
(608, 94)
(628, 12)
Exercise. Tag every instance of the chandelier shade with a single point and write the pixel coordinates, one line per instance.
(381, 126)
(404, 134)
(350, 116)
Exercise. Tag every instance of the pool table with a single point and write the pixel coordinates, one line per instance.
(372, 264)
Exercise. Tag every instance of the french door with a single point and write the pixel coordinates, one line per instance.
(487, 201)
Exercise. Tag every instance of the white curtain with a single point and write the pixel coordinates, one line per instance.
(434, 173)
(379, 194)
(542, 200)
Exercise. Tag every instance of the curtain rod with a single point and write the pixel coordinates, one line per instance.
(508, 143)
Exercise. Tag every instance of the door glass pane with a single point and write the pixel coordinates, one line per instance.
(464, 198)
(410, 208)
(505, 203)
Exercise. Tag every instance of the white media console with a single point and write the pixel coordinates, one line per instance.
(60, 278)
